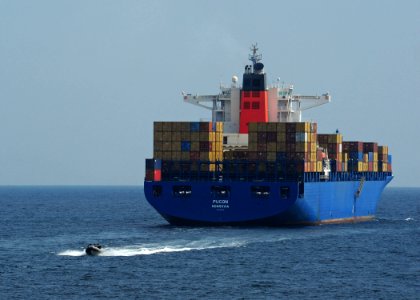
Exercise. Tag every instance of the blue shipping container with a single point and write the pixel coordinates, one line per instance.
(356, 155)
(195, 126)
(158, 164)
(185, 146)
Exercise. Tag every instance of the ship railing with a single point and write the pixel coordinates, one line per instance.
(255, 170)
(232, 170)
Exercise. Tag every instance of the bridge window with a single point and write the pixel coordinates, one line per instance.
(247, 94)
(181, 191)
(260, 191)
(246, 105)
(255, 105)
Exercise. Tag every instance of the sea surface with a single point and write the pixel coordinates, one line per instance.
(43, 232)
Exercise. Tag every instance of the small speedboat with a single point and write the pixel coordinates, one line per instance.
(93, 249)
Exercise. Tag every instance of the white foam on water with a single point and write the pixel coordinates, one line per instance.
(409, 219)
(72, 253)
(150, 249)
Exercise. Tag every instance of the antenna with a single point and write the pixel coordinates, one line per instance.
(254, 57)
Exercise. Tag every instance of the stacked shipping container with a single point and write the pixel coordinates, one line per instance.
(196, 146)
(189, 142)
(332, 143)
(295, 142)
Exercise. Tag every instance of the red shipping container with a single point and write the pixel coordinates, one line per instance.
(157, 175)
(370, 147)
(206, 126)
(352, 146)
(195, 155)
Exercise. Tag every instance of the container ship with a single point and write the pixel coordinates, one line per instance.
(258, 163)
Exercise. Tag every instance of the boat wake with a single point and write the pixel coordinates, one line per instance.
(150, 249)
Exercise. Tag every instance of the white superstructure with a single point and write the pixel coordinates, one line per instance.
(283, 105)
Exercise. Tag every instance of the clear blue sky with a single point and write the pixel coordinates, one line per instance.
(81, 82)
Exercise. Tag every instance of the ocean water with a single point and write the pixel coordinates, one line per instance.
(43, 231)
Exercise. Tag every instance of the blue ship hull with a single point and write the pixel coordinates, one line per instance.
(264, 203)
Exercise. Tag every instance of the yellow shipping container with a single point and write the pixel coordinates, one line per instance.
(281, 136)
(205, 156)
(157, 126)
(185, 135)
(185, 126)
(176, 146)
(158, 136)
(375, 166)
(312, 156)
(252, 127)
(166, 126)
(212, 156)
(281, 127)
(281, 146)
(166, 136)
(313, 146)
(195, 136)
(375, 157)
(335, 138)
(365, 157)
(271, 156)
(157, 154)
(166, 146)
(176, 136)
(219, 127)
(205, 136)
(301, 147)
(176, 126)
(212, 137)
(195, 146)
(185, 156)
(303, 127)
(345, 157)
(271, 127)
(252, 137)
(252, 146)
(319, 166)
(167, 155)
(262, 127)
(158, 146)
(272, 147)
